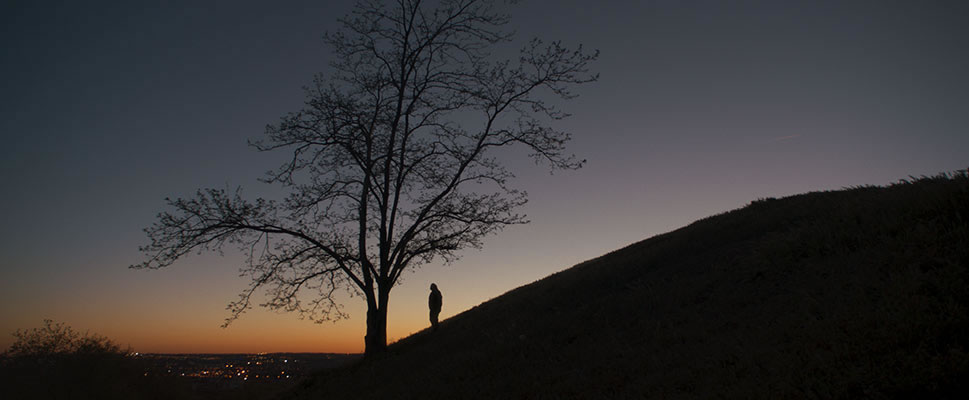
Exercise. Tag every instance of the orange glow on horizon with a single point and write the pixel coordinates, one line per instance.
(197, 330)
(180, 309)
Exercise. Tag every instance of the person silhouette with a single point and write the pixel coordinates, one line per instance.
(434, 302)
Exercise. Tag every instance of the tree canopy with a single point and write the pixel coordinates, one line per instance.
(394, 159)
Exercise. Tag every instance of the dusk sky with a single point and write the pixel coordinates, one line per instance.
(702, 106)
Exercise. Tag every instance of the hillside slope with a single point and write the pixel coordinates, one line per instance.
(854, 293)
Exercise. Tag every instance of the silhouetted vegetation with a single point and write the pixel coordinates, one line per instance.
(856, 293)
(56, 362)
(393, 159)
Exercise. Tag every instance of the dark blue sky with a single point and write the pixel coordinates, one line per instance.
(702, 106)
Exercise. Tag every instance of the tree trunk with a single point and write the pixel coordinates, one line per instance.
(376, 339)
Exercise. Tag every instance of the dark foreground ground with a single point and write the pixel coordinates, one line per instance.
(120, 375)
(859, 293)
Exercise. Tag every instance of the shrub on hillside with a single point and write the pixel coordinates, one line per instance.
(56, 362)
(56, 339)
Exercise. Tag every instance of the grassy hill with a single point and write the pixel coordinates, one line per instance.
(854, 293)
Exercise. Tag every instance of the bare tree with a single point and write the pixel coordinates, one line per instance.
(394, 159)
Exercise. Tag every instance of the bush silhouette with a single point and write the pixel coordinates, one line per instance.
(56, 362)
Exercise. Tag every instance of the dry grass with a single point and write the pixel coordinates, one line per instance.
(855, 293)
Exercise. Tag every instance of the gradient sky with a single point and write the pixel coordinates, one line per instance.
(702, 106)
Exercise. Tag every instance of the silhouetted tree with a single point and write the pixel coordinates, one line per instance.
(57, 362)
(57, 339)
(393, 159)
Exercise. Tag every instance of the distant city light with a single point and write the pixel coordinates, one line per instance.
(211, 368)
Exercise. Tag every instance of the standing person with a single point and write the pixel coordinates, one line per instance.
(434, 302)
